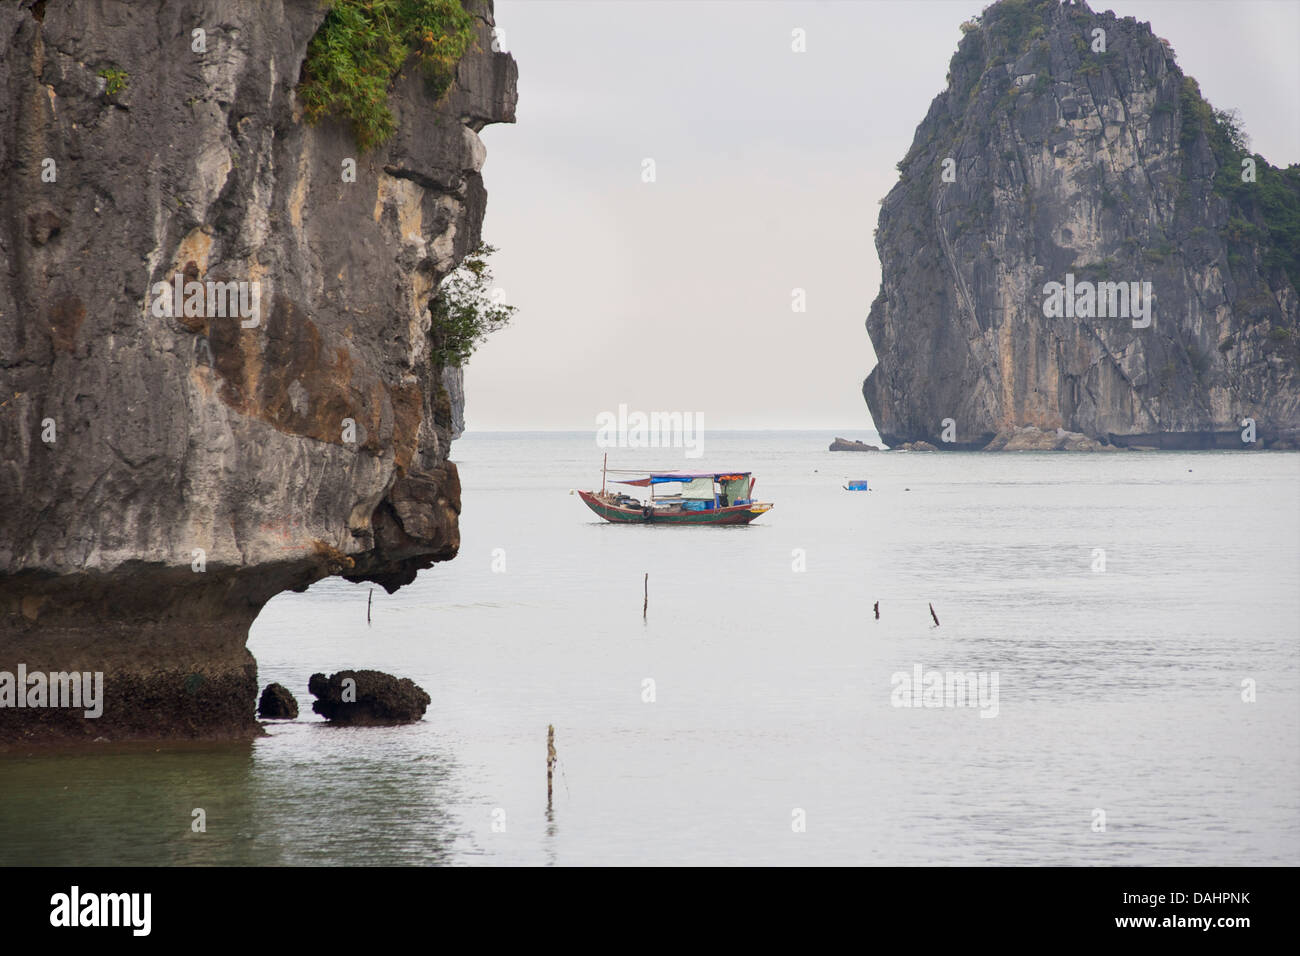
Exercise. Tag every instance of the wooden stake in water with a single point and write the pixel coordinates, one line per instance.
(935, 616)
(876, 608)
(369, 600)
(550, 760)
(645, 604)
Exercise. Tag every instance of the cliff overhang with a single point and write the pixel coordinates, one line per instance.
(166, 472)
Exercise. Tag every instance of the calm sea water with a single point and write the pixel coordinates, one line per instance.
(768, 735)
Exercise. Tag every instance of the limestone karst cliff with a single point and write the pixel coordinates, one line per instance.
(163, 476)
(1069, 147)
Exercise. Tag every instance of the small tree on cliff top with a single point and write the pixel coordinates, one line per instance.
(466, 310)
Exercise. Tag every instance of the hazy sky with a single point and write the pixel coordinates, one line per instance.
(676, 295)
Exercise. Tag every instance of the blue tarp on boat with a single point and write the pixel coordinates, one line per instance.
(664, 479)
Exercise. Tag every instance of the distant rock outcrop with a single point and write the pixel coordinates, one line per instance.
(1069, 148)
(370, 698)
(847, 444)
(1030, 438)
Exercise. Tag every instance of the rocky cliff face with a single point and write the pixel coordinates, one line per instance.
(163, 475)
(1052, 158)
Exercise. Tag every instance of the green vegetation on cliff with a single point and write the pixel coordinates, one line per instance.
(1268, 209)
(114, 80)
(466, 310)
(359, 50)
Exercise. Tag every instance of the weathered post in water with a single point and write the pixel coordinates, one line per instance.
(933, 615)
(369, 600)
(550, 761)
(645, 603)
(876, 608)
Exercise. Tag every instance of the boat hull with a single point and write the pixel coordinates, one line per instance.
(735, 515)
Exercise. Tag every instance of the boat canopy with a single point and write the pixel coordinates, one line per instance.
(664, 479)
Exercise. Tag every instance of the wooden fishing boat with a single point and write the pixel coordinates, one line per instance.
(703, 498)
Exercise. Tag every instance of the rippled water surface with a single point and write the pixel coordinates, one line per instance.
(1118, 690)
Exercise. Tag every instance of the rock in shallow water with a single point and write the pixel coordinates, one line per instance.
(848, 444)
(277, 703)
(373, 698)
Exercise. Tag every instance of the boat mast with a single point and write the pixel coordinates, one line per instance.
(603, 468)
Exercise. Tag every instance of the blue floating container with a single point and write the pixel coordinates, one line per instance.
(858, 485)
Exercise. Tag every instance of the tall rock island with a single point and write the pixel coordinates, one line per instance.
(169, 466)
(1079, 241)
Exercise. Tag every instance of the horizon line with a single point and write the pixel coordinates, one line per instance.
(589, 428)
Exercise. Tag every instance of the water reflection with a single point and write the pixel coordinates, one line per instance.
(130, 806)
(282, 800)
(551, 832)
